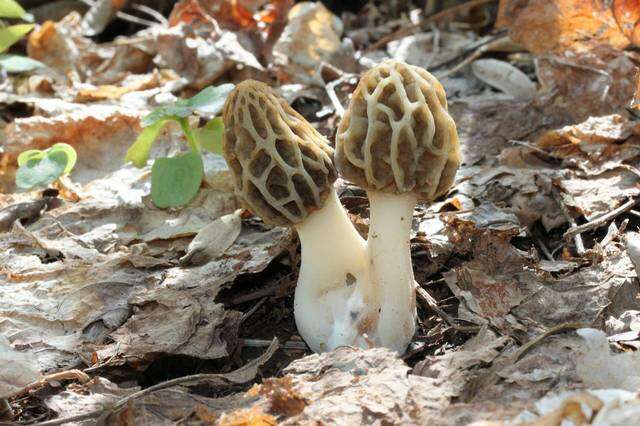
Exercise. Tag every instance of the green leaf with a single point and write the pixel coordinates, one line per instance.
(11, 34)
(41, 171)
(72, 157)
(40, 168)
(210, 100)
(209, 137)
(29, 155)
(11, 9)
(16, 64)
(138, 153)
(175, 181)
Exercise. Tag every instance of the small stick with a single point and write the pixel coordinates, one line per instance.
(543, 248)
(569, 326)
(469, 59)
(577, 238)
(55, 377)
(153, 13)
(259, 293)
(431, 303)
(331, 92)
(291, 344)
(599, 221)
(253, 309)
(433, 18)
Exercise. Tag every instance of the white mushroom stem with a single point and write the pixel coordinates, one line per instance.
(333, 294)
(389, 250)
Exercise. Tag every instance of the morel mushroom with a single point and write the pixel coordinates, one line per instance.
(397, 141)
(283, 172)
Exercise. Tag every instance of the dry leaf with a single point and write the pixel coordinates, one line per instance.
(544, 26)
(505, 77)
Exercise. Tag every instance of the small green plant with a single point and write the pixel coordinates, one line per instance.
(176, 180)
(39, 168)
(10, 34)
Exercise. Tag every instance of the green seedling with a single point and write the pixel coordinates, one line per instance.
(11, 34)
(175, 181)
(39, 168)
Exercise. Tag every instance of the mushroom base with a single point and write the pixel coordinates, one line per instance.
(335, 304)
(391, 272)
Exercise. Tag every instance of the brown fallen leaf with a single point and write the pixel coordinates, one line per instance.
(284, 399)
(577, 85)
(192, 13)
(253, 416)
(543, 26)
(233, 14)
(112, 92)
(311, 36)
(627, 15)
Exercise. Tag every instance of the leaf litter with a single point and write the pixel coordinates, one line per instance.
(529, 312)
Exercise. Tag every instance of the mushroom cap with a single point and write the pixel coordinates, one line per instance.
(397, 135)
(282, 167)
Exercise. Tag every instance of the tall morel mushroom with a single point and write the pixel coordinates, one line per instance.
(397, 141)
(283, 172)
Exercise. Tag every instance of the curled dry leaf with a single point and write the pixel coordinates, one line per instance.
(56, 45)
(504, 77)
(312, 36)
(202, 59)
(595, 145)
(212, 240)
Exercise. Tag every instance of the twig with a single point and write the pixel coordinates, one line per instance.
(433, 18)
(552, 331)
(600, 220)
(431, 303)
(134, 19)
(55, 377)
(484, 44)
(235, 377)
(253, 309)
(153, 13)
(635, 212)
(475, 55)
(259, 293)
(614, 232)
(577, 238)
(291, 344)
(331, 92)
(543, 248)
(125, 16)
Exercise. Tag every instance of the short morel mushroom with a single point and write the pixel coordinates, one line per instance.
(397, 141)
(283, 171)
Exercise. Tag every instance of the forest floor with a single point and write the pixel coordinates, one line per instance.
(529, 307)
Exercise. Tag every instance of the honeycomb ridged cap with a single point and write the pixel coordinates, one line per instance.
(397, 135)
(282, 167)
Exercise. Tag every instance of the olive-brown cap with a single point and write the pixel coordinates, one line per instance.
(282, 166)
(397, 134)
